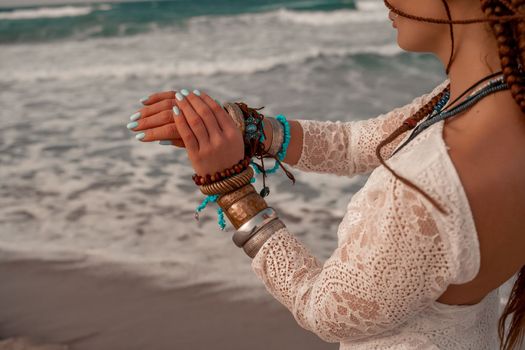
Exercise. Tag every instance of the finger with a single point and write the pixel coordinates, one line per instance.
(193, 120)
(148, 111)
(222, 116)
(165, 132)
(156, 120)
(157, 97)
(207, 115)
(178, 143)
(188, 137)
(173, 142)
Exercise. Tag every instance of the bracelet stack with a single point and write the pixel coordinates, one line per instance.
(232, 188)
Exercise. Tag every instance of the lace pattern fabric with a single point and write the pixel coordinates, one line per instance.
(385, 270)
(348, 148)
(396, 252)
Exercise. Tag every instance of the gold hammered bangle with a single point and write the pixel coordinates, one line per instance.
(241, 205)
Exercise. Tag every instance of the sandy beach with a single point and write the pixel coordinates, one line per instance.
(81, 309)
(64, 305)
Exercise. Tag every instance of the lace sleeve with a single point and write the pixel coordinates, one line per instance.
(348, 148)
(393, 259)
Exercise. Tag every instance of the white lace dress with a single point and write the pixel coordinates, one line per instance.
(396, 252)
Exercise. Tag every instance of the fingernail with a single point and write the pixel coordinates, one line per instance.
(140, 136)
(165, 142)
(218, 102)
(132, 125)
(135, 116)
(197, 92)
(176, 110)
(144, 99)
(179, 96)
(185, 92)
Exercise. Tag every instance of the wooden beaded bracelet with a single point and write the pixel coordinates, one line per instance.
(220, 175)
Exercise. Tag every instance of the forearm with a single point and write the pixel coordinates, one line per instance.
(295, 147)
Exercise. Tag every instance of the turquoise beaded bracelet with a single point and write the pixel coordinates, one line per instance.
(282, 153)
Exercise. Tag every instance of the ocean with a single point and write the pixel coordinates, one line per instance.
(77, 186)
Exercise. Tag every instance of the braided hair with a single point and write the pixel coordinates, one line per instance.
(507, 22)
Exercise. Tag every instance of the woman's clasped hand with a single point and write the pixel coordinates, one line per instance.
(193, 121)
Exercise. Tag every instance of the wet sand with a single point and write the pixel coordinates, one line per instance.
(55, 303)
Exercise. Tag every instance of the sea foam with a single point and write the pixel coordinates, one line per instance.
(321, 18)
(51, 12)
(240, 65)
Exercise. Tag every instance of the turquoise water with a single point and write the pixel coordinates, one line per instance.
(30, 24)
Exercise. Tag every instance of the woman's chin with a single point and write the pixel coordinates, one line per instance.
(400, 43)
(406, 45)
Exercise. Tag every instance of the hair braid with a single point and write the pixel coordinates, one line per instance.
(511, 43)
(519, 31)
(509, 6)
(507, 36)
(409, 124)
(515, 307)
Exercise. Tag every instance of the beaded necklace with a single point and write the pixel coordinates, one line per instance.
(438, 113)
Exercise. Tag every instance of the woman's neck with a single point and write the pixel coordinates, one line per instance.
(475, 57)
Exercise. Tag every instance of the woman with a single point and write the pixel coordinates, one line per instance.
(437, 228)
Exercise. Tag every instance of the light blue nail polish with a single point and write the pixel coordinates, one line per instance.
(197, 92)
(144, 99)
(176, 110)
(185, 92)
(165, 142)
(140, 136)
(179, 96)
(132, 125)
(218, 102)
(135, 116)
